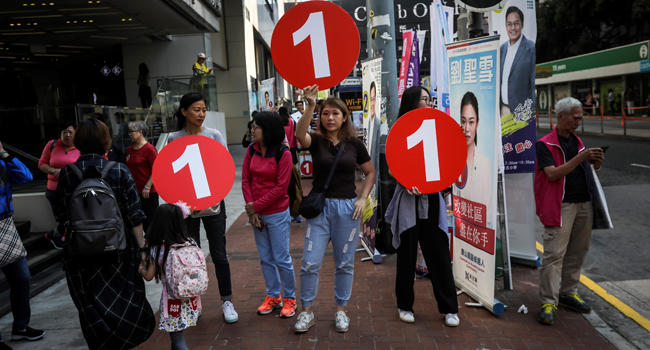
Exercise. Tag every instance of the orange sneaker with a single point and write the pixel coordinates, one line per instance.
(269, 305)
(289, 308)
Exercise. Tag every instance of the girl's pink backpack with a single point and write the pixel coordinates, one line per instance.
(186, 275)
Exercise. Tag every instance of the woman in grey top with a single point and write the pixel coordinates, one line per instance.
(191, 115)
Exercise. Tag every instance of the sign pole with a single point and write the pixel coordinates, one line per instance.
(503, 233)
(381, 43)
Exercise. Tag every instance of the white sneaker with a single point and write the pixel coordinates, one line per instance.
(229, 313)
(406, 316)
(342, 322)
(452, 320)
(305, 321)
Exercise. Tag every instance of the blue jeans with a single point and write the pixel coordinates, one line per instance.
(273, 247)
(335, 223)
(19, 279)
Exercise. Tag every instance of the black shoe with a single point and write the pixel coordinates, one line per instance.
(4, 346)
(574, 302)
(547, 315)
(56, 240)
(29, 334)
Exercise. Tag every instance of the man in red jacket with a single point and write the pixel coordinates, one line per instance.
(564, 206)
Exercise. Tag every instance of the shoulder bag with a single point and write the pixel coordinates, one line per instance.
(312, 204)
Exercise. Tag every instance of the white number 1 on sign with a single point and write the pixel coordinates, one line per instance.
(427, 135)
(192, 157)
(314, 29)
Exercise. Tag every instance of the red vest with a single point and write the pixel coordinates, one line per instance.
(549, 195)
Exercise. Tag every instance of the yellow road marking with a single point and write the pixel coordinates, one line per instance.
(614, 301)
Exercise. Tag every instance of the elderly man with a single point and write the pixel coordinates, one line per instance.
(563, 199)
(517, 66)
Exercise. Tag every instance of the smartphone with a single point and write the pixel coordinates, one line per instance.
(604, 148)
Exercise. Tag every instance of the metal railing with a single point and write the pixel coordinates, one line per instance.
(596, 121)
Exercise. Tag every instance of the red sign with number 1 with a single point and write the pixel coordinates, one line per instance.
(194, 169)
(315, 42)
(426, 149)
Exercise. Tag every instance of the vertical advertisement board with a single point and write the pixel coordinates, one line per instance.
(474, 104)
(372, 122)
(267, 95)
(516, 22)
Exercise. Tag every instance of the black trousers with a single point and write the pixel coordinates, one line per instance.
(435, 248)
(215, 229)
(149, 206)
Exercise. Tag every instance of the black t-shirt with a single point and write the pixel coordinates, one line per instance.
(323, 154)
(575, 185)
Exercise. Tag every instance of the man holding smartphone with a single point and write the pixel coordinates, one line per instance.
(564, 206)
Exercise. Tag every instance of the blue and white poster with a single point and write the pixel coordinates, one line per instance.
(474, 104)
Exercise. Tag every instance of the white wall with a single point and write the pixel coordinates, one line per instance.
(172, 59)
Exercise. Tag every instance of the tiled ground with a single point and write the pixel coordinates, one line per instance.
(373, 312)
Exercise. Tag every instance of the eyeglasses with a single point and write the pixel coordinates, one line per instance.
(513, 24)
(427, 100)
(254, 127)
(132, 131)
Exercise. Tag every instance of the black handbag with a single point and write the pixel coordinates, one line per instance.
(312, 204)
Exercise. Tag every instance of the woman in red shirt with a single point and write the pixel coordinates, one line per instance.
(56, 155)
(265, 180)
(139, 159)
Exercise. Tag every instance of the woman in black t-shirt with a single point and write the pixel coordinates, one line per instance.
(341, 217)
(430, 231)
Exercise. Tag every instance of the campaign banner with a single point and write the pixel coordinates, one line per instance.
(474, 86)
(515, 21)
(407, 39)
(440, 35)
(413, 75)
(267, 95)
(372, 124)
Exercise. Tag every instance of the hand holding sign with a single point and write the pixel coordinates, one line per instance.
(194, 169)
(315, 42)
(426, 149)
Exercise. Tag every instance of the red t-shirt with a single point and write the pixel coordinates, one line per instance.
(140, 164)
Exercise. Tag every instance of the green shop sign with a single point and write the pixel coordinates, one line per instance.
(620, 55)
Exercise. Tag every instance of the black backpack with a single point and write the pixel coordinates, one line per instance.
(295, 187)
(95, 225)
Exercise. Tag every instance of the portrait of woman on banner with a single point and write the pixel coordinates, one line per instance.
(475, 183)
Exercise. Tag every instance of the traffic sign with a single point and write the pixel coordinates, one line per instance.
(426, 148)
(315, 43)
(194, 169)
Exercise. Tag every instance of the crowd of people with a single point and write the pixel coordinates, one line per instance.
(107, 289)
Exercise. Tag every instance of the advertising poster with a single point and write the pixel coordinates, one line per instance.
(516, 22)
(267, 95)
(407, 39)
(372, 122)
(474, 83)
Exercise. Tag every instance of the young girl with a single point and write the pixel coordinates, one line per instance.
(168, 228)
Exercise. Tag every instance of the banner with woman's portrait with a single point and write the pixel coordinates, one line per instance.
(267, 95)
(474, 103)
(371, 84)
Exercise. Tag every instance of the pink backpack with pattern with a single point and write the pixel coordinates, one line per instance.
(186, 275)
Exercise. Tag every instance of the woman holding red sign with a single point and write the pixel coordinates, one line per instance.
(414, 217)
(191, 115)
(266, 177)
(335, 146)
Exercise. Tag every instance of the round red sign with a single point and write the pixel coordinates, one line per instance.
(307, 168)
(194, 169)
(426, 148)
(315, 43)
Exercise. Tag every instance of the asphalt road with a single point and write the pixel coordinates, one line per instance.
(618, 258)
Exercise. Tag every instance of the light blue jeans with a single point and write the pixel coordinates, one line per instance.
(273, 247)
(335, 223)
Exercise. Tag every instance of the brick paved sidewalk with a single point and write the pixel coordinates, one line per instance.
(374, 321)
